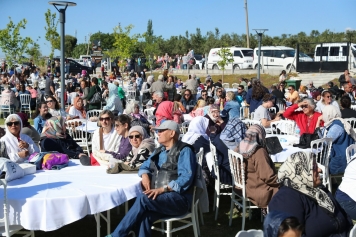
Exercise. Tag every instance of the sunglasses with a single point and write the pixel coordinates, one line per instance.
(304, 106)
(106, 119)
(49, 101)
(134, 136)
(9, 124)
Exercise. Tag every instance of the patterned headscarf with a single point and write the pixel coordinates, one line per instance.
(54, 128)
(255, 137)
(211, 109)
(233, 133)
(297, 173)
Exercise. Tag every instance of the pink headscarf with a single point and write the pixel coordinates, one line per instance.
(164, 111)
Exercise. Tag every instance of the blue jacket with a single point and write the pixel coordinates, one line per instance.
(39, 123)
(316, 220)
(233, 108)
(253, 102)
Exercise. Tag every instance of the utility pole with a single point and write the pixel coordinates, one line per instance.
(259, 33)
(247, 30)
(88, 43)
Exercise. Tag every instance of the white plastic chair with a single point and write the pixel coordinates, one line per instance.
(79, 136)
(321, 149)
(200, 156)
(93, 113)
(238, 175)
(272, 110)
(192, 215)
(25, 101)
(283, 126)
(218, 185)
(351, 121)
(350, 152)
(250, 122)
(235, 85)
(244, 109)
(131, 95)
(184, 127)
(5, 228)
(250, 233)
(252, 115)
(353, 232)
(353, 107)
(149, 114)
(226, 85)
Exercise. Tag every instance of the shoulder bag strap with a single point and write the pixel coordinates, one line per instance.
(101, 140)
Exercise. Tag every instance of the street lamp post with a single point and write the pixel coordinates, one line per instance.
(259, 33)
(62, 20)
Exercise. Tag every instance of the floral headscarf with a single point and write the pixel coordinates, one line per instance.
(255, 137)
(54, 128)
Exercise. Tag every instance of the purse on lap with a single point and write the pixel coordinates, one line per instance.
(273, 145)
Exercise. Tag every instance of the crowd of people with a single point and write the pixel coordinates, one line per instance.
(125, 140)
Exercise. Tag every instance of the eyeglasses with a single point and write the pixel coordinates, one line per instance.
(105, 118)
(9, 124)
(135, 136)
(304, 106)
(49, 101)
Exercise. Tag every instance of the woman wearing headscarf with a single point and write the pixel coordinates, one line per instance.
(216, 123)
(18, 146)
(55, 138)
(196, 134)
(233, 133)
(302, 195)
(164, 112)
(261, 174)
(77, 109)
(28, 129)
(113, 103)
(142, 147)
(342, 134)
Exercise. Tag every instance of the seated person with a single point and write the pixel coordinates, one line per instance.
(188, 100)
(28, 129)
(162, 198)
(113, 102)
(115, 145)
(326, 99)
(346, 193)
(77, 110)
(164, 112)
(302, 195)
(42, 116)
(54, 108)
(305, 119)
(198, 109)
(55, 138)
(261, 180)
(293, 95)
(232, 106)
(279, 224)
(262, 114)
(8, 99)
(346, 111)
(342, 134)
(18, 146)
(215, 120)
(142, 147)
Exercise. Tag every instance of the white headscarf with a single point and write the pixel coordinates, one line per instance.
(331, 114)
(197, 128)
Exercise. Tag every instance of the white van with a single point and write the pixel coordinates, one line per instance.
(242, 58)
(334, 52)
(277, 57)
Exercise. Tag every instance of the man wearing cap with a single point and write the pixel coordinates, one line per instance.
(167, 178)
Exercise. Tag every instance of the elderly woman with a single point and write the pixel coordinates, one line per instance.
(215, 121)
(305, 119)
(142, 147)
(113, 103)
(262, 114)
(261, 181)
(302, 195)
(233, 133)
(18, 146)
(28, 129)
(342, 134)
(326, 99)
(232, 106)
(55, 138)
(105, 138)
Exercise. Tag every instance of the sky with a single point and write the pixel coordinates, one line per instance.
(176, 17)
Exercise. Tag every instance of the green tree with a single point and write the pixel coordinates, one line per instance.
(11, 41)
(34, 52)
(124, 44)
(70, 42)
(150, 46)
(106, 40)
(79, 49)
(197, 42)
(226, 58)
(52, 35)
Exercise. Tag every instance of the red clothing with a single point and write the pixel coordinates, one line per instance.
(302, 120)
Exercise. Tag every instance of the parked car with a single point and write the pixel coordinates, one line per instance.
(242, 58)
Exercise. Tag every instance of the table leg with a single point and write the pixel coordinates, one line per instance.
(97, 219)
(108, 221)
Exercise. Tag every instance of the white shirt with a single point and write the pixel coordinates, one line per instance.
(74, 112)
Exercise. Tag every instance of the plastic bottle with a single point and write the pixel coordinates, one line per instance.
(297, 131)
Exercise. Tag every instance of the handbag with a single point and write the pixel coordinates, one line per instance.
(273, 145)
(305, 140)
(96, 97)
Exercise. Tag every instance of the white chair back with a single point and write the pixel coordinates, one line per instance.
(93, 113)
(215, 162)
(244, 112)
(272, 110)
(80, 136)
(25, 100)
(252, 115)
(236, 161)
(321, 149)
(235, 85)
(353, 107)
(283, 126)
(250, 122)
(250, 233)
(226, 85)
(353, 232)
(351, 121)
(200, 155)
(350, 152)
(184, 127)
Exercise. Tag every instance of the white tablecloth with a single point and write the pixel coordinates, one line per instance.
(48, 200)
(92, 126)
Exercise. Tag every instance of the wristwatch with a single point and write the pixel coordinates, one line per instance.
(165, 188)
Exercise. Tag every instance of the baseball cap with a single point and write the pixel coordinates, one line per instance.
(168, 124)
